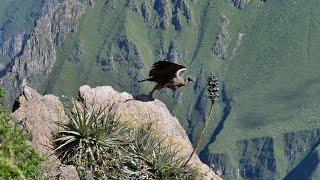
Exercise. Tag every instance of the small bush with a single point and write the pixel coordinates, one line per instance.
(95, 141)
(17, 159)
(92, 141)
(151, 158)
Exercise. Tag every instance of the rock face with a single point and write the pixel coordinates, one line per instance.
(141, 110)
(161, 8)
(34, 54)
(239, 3)
(221, 43)
(264, 165)
(164, 14)
(39, 116)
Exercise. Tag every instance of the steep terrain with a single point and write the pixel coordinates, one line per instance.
(28, 44)
(40, 115)
(265, 53)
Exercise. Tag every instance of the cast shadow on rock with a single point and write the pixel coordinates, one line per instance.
(142, 98)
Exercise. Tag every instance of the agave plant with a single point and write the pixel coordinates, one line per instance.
(213, 94)
(92, 139)
(150, 158)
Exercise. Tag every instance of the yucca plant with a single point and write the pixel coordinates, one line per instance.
(151, 158)
(92, 140)
(213, 94)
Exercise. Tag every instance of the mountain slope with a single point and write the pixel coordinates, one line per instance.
(265, 53)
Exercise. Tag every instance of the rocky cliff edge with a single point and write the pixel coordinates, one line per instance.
(38, 115)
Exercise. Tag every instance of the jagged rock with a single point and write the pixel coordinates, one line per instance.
(91, 3)
(182, 5)
(225, 22)
(133, 4)
(176, 21)
(239, 3)
(257, 158)
(161, 7)
(106, 63)
(164, 13)
(145, 10)
(222, 163)
(221, 44)
(298, 144)
(109, 4)
(39, 116)
(123, 52)
(238, 44)
(140, 110)
(32, 56)
(173, 54)
(64, 19)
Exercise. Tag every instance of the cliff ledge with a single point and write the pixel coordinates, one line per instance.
(38, 115)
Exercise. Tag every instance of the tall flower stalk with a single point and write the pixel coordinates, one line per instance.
(213, 91)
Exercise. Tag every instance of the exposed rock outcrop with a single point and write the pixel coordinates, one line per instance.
(139, 110)
(257, 162)
(238, 44)
(33, 54)
(165, 14)
(221, 43)
(181, 5)
(133, 4)
(173, 55)
(38, 115)
(176, 21)
(298, 144)
(239, 3)
(145, 10)
(122, 52)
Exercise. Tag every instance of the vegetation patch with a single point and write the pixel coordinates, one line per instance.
(102, 147)
(17, 159)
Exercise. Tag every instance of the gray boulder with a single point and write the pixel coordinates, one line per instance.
(39, 116)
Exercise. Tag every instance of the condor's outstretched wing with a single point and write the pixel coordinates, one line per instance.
(164, 71)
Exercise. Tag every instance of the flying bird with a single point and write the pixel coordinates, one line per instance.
(167, 75)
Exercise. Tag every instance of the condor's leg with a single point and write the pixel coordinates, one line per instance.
(156, 87)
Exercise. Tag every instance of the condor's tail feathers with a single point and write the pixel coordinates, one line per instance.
(148, 79)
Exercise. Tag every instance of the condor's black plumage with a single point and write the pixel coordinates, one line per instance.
(167, 75)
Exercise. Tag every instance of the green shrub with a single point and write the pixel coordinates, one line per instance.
(152, 158)
(92, 140)
(17, 159)
(95, 141)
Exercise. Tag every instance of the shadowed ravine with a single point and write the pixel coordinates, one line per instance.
(307, 167)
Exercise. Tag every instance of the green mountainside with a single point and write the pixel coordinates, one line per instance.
(17, 16)
(266, 53)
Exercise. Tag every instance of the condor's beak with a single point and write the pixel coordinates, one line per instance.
(193, 79)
